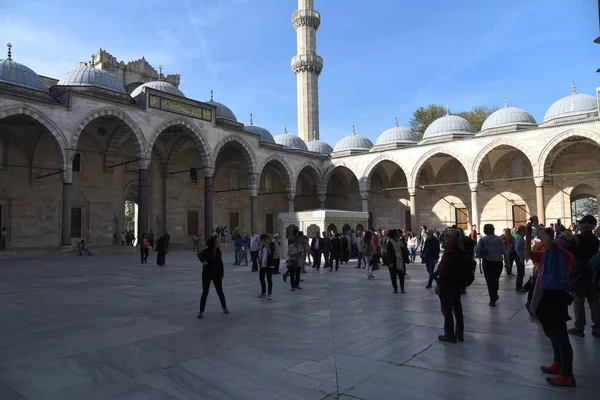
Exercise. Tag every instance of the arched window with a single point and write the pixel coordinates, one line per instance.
(516, 167)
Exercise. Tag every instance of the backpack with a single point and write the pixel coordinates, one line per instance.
(468, 269)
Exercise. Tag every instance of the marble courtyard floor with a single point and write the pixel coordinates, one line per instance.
(106, 327)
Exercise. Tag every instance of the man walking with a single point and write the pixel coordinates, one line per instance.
(449, 286)
(431, 255)
(254, 249)
(238, 243)
(316, 248)
(336, 252)
(326, 244)
(491, 251)
(520, 259)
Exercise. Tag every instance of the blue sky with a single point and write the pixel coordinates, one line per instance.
(383, 58)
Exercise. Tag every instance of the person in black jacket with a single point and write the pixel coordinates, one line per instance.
(431, 255)
(316, 248)
(397, 259)
(326, 243)
(335, 252)
(212, 270)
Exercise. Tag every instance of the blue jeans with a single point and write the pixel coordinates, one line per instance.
(238, 255)
(413, 253)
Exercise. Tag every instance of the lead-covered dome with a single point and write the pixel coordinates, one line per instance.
(397, 135)
(353, 142)
(572, 105)
(448, 125)
(508, 116)
(158, 85)
(290, 141)
(265, 135)
(92, 77)
(222, 110)
(318, 146)
(13, 73)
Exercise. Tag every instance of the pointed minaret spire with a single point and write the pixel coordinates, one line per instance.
(9, 51)
(251, 123)
(353, 130)
(397, 122)
(505, 102)
(160, 74)
(284, 128)
(212, 95)
(93, 64)
(573, 87)
(447, 109)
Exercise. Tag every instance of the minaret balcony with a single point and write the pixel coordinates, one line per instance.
(310, 18)
(307, 63)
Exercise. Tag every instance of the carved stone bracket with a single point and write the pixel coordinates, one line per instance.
(364, 195)
(143, 163)
(312, 63)
(209, 172)
(474, 186)
(308, 18)
(412, 191)
(290, 195)
(539, 181)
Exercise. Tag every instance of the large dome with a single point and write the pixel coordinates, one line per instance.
(17, 74)
(508, 116)
(448, 125)
(290, 141)
(92, 77)
(158, 85)
(318, 146)
(353, 142)
(573, 104)
(222, 110)
(265, 135)
(397, 135)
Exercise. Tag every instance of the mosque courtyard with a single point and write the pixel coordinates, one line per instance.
(107, 327)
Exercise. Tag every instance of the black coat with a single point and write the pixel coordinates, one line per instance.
(161, 251)
(313, 244)
(335, 247)
(326, 244)
(431, 249)
(214, 269)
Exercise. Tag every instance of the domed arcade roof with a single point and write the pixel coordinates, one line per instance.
(353, 142)
(448, 125)
(265, 135)
(397, 135)
(13, 73)
(319, 146)
(571, 105)
(508, 116)
(92, 77)
(160, 84)
(290, 141)
(222, 110)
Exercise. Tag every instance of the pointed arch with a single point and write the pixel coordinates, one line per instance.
(414, 175)
(494, 145)
(283, 168)
(139, 142)
(238, 141)
(198, 138)
(551, 145)
(368, 174)
(331, 169)
(314, 173)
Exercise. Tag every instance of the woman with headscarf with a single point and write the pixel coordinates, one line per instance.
(161, 251)
(397, 259)
(212, 271)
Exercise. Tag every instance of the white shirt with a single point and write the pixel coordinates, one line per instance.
(255, 243)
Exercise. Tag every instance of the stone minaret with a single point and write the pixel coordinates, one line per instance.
(307, 66)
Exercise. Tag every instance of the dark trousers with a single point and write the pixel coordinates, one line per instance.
(268, 272)
(492, 271)
(334, 258)
(520, 272)
(195, 246)
(561, 345)
(144, 254)
(326, 257)
(254, 258)
(430, 265)
(317, 259)
(511, 260)
(206, 287)
(361, 258)
(295, 276)
(452, 308)
(589, 292)
(400, 274)
(277, 262)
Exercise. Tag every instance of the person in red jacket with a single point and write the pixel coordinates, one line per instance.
(449, 287)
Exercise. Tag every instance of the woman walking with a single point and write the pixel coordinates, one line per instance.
(212, 271)
(397, 258)
(368, 250)
(275, 247)
(265, 267)
(413, 242)
(161, 251)
(295, 262)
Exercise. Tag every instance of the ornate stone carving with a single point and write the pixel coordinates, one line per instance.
(299, 20)
(314, 64)
(178, 107)
(474, 186)
(154, 101)
(143, 163)
(412, 191)
(312, 230)
(539, 181)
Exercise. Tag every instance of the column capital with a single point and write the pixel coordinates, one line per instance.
(67, 174)
(322, 196)
(290, 195)
(143, 163)
(364, 195)
(539, 181)
(253, 184)
(412, 191)
(209, 172)
(474, 186)
(310, 18)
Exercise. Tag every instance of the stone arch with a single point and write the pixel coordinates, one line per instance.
(248, 154)
(584, 133)
(315, 174)
(139, 143)
(283, 168)
(198, 138)
(494, 145)
(366, 178)
(414, 175)
(331, 169)
(55, 131)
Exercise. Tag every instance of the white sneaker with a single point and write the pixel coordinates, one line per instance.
(261, 296)
(269, 297)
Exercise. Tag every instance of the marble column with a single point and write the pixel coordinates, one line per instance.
(143, 198)
(253, 190)
(290, 199)
(209, 195)
(65, 227)
(540, 202)
(414, 223)
(365, 201)
(474, 205)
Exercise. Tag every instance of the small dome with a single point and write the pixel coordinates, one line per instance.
(448, 125)
(397, 134)
(158, 85)
(573, 104)
(290, 141)
(92, 77)
(265, 135)
(508, 116)
(318, 146)
(222, 110)
(353, 142)
(17, 74)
